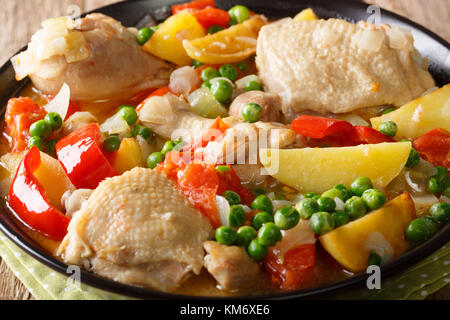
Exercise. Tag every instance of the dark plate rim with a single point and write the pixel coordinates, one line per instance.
(399, 264)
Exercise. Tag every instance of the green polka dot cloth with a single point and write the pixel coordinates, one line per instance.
(417, 282)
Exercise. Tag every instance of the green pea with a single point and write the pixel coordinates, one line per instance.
(421, 229)
(312, 195)
(142, 131)
(261, 218)
(209, 73)
(374, 198)
(413, 158)
(239, 14)
(388, 110)
(129, 114)
(54, 120)
(346, 193)
(50, 147)
(237, 216)
(326, 204)
(168, 146)
(228, 71)
(447, 190)
(222, 90)
(360, 185)
(206, 84)
(389, 128)
(223, 168)
(442, 175)
(196, 64)
(434, 186)
(245, 235)
(154, 159)
(269, 234)
(286, 218)
(243, 66)
(226, 235)
(232, 197)
(355, 207)
(332, 193)
(262, 203)
(251, 112)
(340, 218)
(36, 141)
(144, 35)
(306, 207)
(374, 259)
(41, 129)
(214, 28)
(321, 223)
(440, 211)
(257, 251)
(253, 86)
(111, 144)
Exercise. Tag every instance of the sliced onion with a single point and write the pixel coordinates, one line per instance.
(339, 204)
(242, 83)
(223, 207)
(146, 148)
(368, 39)
(206, 105)
(414, 186)
(184, 80)
(400, 39)
(297, 236)
(353, 119)
(115, 125)
(60, 103)
(278, 204)
(423, 202)
(156, 110)
(376, 242)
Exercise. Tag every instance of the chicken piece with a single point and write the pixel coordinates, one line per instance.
(269, 102)
(138, 229)
(231, 266)
(96, 56)
(336, 66)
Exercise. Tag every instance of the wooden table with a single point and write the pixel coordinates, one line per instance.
(19, 19)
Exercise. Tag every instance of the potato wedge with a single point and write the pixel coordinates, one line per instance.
(306, 15)
(128, 156)
(166, 42)
(231, 45)
(319, 169)
(349, 245)
(421, 115)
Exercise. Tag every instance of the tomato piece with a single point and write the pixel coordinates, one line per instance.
(20, 114)
(29, 203)
(193, 6)
(82, 157)
(212, 16)
(229, 181)
(199, 184)
(290, 272)
(434, 146)
(320, 127)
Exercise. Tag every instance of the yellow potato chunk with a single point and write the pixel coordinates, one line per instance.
(306, 15)
(53, 179)
(231, 45)
(350, 244)
(128, 156)
(421, 115)
(319, 169)
(166, 42)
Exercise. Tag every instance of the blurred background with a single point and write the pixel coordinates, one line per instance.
(19, 19)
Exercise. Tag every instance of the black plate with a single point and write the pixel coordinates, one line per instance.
(133, 12)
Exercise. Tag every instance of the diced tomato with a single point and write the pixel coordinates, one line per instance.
(193, 6)
(292, 270)
(82, 157)
(212, 16)
(21, 113)
(28, 201)
(434, 146)
(320, 127)
(229, 181)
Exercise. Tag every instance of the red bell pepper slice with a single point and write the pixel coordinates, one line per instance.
(212, 16)
(20, 114)
(29, 203)
(291, 271)
(193, 6)
(82, 157)
(320, 127)
(434, 146)
(367, 135)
